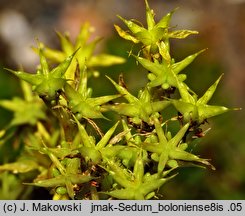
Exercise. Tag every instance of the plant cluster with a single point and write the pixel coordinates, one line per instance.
(55, 124)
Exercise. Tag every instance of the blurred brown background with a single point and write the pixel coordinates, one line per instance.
(221, 26)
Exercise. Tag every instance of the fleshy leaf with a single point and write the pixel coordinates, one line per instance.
(61, 180)
(164, 22)
(135, 28)
(179, 66)
(209, 93)
(125, 35)
(149, 16)
(21, 166)
(104, 60)
(181, 34)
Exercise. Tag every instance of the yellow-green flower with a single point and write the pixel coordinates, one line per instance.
(134, 185)
(153, 34)
(161, 73)
(84, 56)
(27, 110)
(140, 109)
(81, 103)
(194, 109)
(169, 152)
(45, 82)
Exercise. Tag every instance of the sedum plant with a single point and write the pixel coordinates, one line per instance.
(61, 144)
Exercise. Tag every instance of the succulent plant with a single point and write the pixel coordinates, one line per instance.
(139, 153)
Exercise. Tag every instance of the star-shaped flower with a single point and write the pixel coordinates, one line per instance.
(161, 73)
(154, 33)
(141, 108)
(45, 82)
(68, 175)
(83, 56)
(197, 110)
(134, 185)
(27, 110)
(169, 152)
(80, 101)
